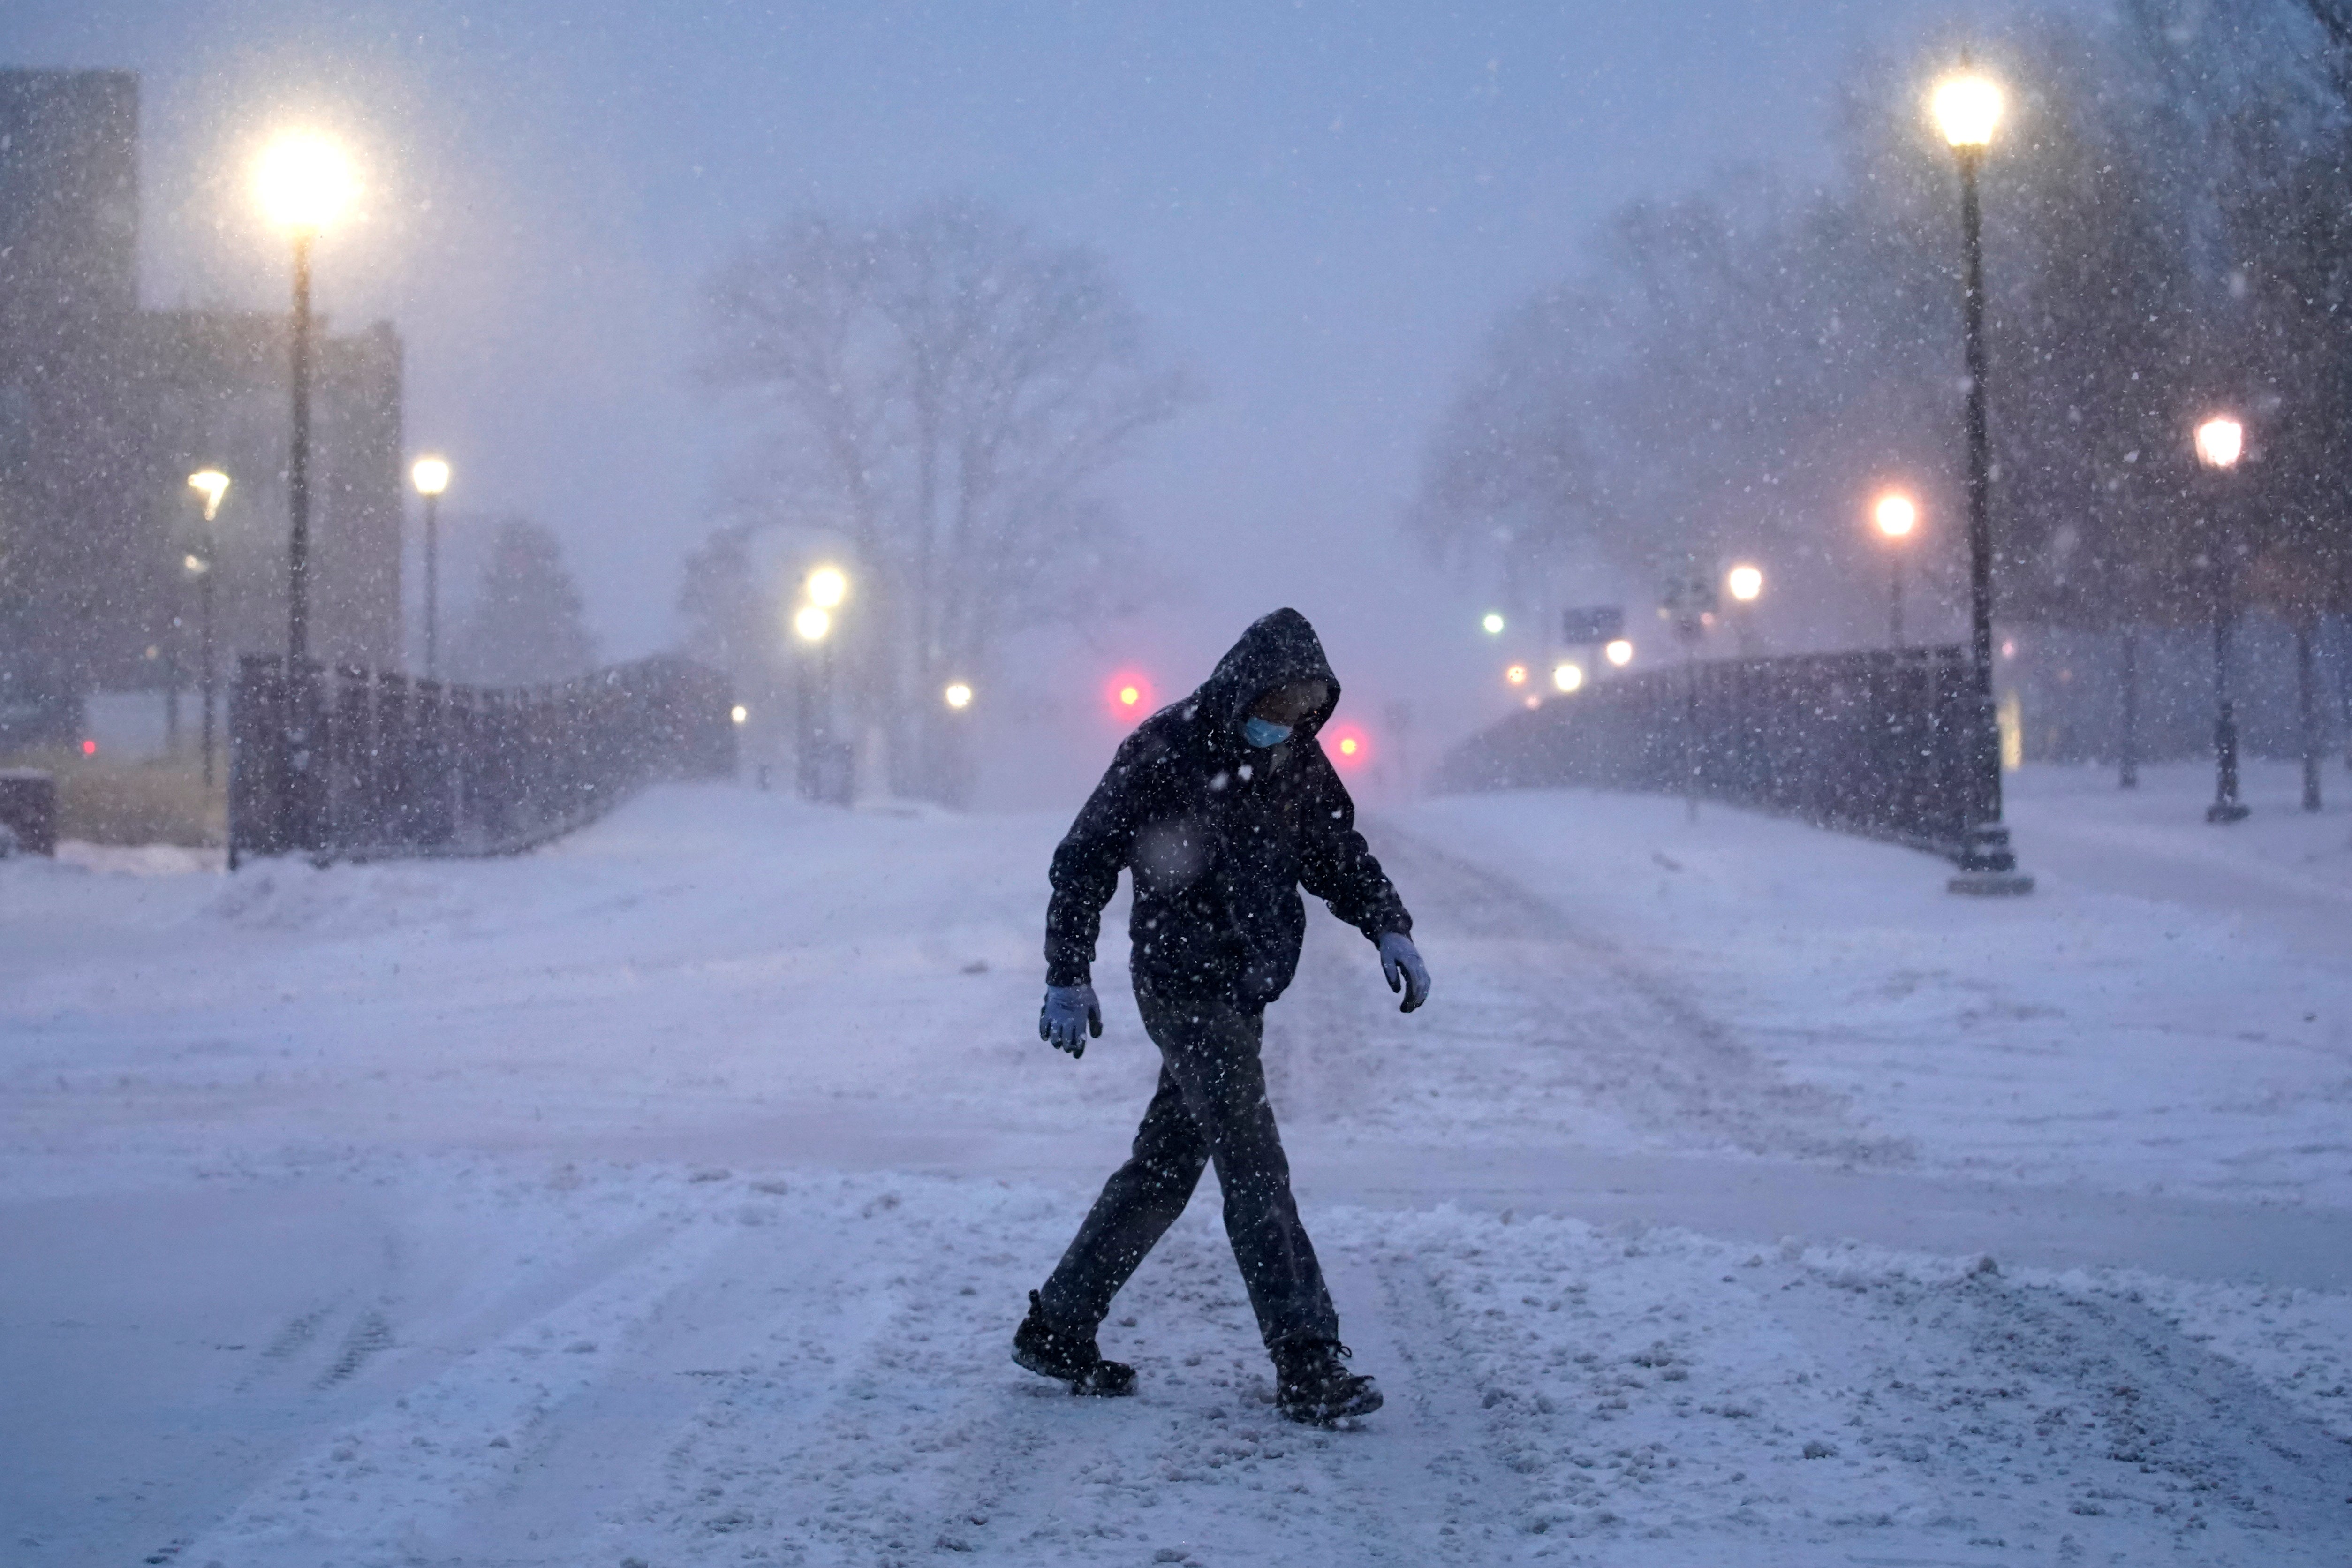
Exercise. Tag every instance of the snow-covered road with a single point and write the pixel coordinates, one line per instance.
(668, 1197)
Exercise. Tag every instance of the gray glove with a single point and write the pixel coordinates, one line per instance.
(1400, 962)
(1071, 1013)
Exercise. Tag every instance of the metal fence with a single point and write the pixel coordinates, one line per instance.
(352, 763)
(1890, 743)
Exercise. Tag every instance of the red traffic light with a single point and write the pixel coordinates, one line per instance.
(1130, 695)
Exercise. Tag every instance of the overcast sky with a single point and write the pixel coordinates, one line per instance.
(1316, 205)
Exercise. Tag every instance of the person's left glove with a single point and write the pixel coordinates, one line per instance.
(1401, 963)
(1070, 1015)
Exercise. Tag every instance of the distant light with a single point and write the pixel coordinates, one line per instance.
(739, 713)
(212, 484)
(304, 182)
(812, 624)
(2008, 649)
(828, 588)
(1492, 622)
(1745, 583)
(958, 695)
(1128, 692)
(429, 475)
(89, 748)
(196, 564)
(1567, 677)
(1619, 653)
(1966, 109)
(1517, 675)
(1534, 701)
(2220, 441)
(1896, 514)
(1347, 745)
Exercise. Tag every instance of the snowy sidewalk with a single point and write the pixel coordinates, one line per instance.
(667, 1197)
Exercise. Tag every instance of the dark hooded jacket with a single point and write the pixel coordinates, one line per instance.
(1220, 836)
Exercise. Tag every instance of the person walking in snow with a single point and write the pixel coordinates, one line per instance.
(1222, 806)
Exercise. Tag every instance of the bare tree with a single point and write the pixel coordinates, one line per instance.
(939, 394)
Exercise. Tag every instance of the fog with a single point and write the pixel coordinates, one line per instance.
(1317, 211)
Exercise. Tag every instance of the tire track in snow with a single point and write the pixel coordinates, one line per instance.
(1598, 1027)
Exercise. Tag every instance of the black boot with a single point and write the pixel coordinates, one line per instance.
(1312, 1383)
(1050, 1352)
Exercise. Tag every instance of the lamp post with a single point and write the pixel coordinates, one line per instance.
(823, 591)
(430, 475)
(1967, 110)
(2221, 442)
(1896, 515)
(1745, 583)
(213, 485)
(304, 184)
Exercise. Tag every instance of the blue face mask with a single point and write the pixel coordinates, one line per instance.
(1263, 732)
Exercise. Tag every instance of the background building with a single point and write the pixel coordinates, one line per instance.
(104, 411)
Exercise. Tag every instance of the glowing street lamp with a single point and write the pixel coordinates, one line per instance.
(213, 485)
(1966, 109)
(812, 625)
(827, 586)
(1492, 623)
(1567, 676)
(1744, 584)
(305, 186)
(430, 475)
(958, 695)
(1895, 516)
(1619, 652)
(1517, 675)
(2220, 441)
(739, 714)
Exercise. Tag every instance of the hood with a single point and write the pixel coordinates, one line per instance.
(1278, 649)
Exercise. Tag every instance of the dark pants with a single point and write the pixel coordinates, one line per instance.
(1210, 1105)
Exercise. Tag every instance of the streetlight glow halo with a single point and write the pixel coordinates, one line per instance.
(1619, 652)
(1745, 583)
(812, 624)
(1967, 108)
(1896, 514)
(828, 588)
(212, 484)
(304, 182)
(430, 475)
(958, 695)
(2221, 442)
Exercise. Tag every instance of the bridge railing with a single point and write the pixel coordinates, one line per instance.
(350, 764)
(1886, 742)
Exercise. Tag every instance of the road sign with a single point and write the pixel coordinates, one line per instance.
(1593, 623)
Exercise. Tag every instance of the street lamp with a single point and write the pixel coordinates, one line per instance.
(1966, 109)
(1567, 676)
(304, 184)
(430, 475)
(1517, 675)
(213, 485)
(1896, 515)
(822, 775)
(1745, 583)
(1492, 623)
(958, 695)
(1619, 652)
(2221, 442)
